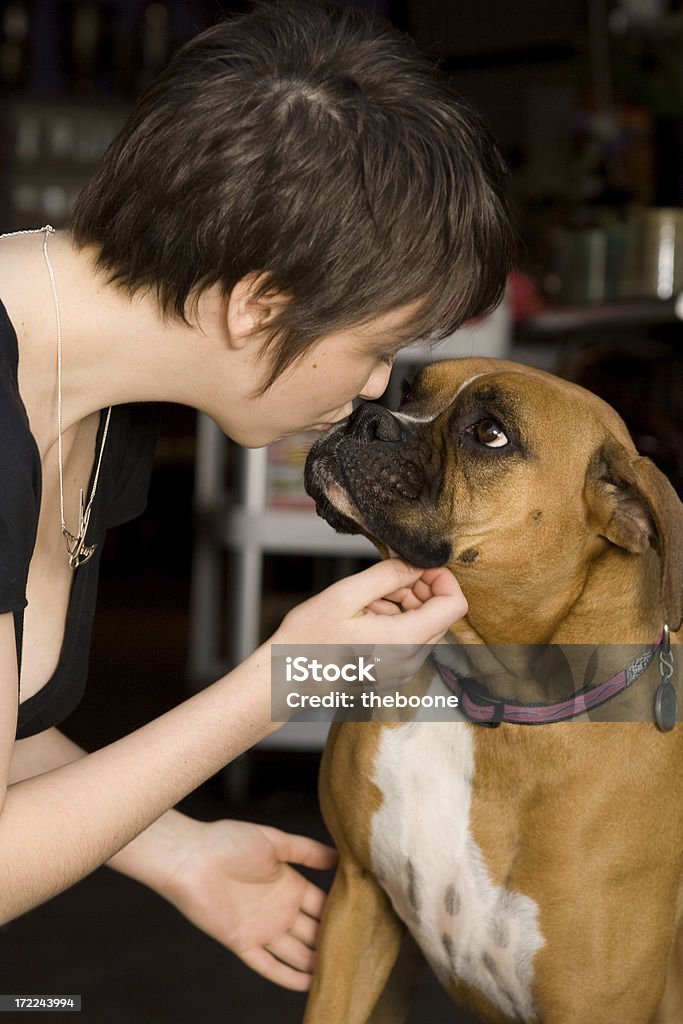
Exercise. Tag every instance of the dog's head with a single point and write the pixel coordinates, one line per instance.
(515, 479)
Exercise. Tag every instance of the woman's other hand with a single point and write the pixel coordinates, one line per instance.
(235, 881)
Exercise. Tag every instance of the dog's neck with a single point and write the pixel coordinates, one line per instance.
(615, 599)
(595, 619)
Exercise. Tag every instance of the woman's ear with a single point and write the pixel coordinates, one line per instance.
(249, 309)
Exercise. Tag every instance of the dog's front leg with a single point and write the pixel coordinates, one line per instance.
(359, 943)
(671, 1007)
(399, 992)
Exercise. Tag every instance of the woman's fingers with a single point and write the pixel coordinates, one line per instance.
(313, 901)
(440, 580)
(384, 607)
(293, 952)
(409, 597)
(389, 603)
(432, 582)
(361, 589)
(296, 849)
(436, 605)
(429, 604)
(305, 929)
(265, 963)
(435, 598)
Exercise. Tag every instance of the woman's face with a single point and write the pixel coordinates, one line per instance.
(318, 388)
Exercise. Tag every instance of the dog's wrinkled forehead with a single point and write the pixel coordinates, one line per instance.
(534, 400)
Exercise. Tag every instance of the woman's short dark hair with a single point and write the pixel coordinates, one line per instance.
(316, 147)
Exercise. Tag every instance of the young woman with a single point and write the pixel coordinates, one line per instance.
(297, 196)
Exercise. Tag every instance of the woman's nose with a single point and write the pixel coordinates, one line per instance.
(377, 382)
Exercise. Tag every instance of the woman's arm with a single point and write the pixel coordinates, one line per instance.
(57, 827)
(148, 858)
(40, 753)
(233, 880)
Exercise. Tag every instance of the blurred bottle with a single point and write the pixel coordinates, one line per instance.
(654, 255)
(14, 45)
(587, 264)
(154, 40)
(85, 37)
(668, 177)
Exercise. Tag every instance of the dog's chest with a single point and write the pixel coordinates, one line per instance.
(425, 858)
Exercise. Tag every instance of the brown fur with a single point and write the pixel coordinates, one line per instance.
(579, 543)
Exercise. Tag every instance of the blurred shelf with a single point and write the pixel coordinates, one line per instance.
(631, 313)
(49, 149)
(283, 530)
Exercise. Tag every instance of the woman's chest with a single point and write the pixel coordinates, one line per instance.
(50, 578)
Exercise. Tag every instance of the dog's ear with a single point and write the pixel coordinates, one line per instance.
(635, 507)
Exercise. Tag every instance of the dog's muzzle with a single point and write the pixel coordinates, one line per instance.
(375, 474)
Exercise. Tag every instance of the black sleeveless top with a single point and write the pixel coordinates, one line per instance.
(121, 495)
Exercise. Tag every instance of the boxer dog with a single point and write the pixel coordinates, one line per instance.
(535, 862)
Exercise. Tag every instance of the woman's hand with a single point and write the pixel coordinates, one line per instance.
(234, 882)
(391, 610)
(389, 603)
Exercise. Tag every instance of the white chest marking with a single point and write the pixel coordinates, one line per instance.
(426, 860)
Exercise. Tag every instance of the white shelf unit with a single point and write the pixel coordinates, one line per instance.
(245, 526)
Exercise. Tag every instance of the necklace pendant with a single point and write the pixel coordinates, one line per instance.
(79, 551)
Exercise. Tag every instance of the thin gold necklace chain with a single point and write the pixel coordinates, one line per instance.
(48, 229)
(78, 552)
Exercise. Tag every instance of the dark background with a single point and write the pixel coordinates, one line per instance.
(586, 100)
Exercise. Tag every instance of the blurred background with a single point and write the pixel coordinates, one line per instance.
(585, 98)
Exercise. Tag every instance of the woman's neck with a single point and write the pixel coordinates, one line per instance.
(115, 349)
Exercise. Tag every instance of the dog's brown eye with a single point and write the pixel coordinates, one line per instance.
(490, 433)
(406, 390)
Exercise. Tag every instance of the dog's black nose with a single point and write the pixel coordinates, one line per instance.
(374, 423)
